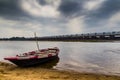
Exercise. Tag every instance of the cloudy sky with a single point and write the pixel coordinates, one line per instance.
(58, 17)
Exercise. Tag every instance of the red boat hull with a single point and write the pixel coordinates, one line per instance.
(32, 62)
(34, 57)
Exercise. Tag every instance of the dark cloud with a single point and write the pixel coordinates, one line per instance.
(107, 10)
(42, 2)
(71, 7)
(10, 9)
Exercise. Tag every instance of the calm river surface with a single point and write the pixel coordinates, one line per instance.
(93, 57)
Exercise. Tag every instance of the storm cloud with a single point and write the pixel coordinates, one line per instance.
(56, 17)
(107, 9)
(70, 7)
(10, 9)
(42, 2)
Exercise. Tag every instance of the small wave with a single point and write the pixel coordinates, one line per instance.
(113, 51)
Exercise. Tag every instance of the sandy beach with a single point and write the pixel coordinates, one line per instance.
(12, 72)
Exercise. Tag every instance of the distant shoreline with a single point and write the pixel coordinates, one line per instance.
(68, 40)
(12, 72)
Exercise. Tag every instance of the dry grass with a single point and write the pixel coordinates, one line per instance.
(11, 72)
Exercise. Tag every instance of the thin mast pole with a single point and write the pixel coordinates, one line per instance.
(36, 41)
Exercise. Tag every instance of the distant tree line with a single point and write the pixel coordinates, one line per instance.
(73, 37)
(16, 39)
(61, 38)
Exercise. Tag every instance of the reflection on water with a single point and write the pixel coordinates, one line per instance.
(100, 57)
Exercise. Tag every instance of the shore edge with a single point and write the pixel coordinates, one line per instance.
(11, 72)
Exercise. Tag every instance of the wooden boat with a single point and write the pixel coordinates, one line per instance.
(34, 57)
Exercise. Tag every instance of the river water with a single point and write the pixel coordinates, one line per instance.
(91, 57)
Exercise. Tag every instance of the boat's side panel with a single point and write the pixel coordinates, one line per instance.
(32, 62)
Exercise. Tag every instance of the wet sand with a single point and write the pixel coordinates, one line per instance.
(12, 72)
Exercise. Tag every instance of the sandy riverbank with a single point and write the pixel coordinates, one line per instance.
(12, 72)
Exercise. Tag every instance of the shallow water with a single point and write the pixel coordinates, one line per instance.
(93, 57)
